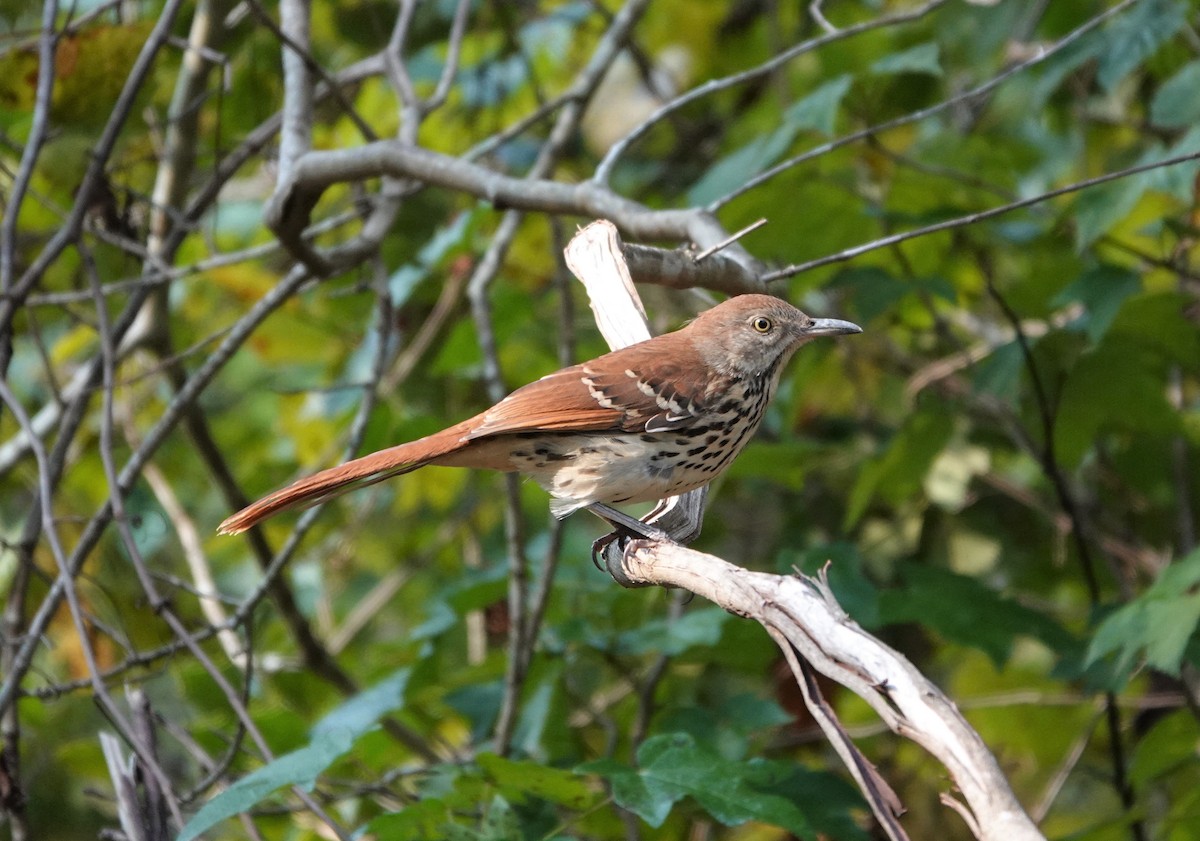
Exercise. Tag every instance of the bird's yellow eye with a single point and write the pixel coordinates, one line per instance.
(762, 324)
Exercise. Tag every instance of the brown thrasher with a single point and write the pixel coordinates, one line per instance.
(651, 420)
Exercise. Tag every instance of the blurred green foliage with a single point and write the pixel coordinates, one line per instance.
(1020, 416)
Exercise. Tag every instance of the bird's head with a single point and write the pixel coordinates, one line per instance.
(751, 334)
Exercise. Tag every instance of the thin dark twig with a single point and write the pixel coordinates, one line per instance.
(729, 240)
(477, 293)
(458, 29)
(161, 606)
(101, 150)
(47, 45)
(658, 670)
(220, 767)
(1071, 507)
(972, 218)
(394, 61)
(173, 413)
(66, 577)
(605, 167)
(301, 51)
(1047, 453)
(921, 114)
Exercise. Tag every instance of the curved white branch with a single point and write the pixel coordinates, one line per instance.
(804, 612)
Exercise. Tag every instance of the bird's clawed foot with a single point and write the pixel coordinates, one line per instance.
(611, 547)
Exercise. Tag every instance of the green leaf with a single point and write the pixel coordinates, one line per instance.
(424, 820)
(480, 704)
(1157, 625)
(900, 471)
(518, 781)
(1170, 744)
(999, 373)
(300, 767)
(672, 766)
(535, 713)
(1102, 290)
(499, 822)
(1159, 322)
(331, 737)
(870, 290)
(643, 795)
(1176, 104)
(1137, 35)
(923, 58)
(966, 611)
(360, 714)
(739, 166)
(1099, 209)
(816, 111)
(784, 463)
(671, 637)
(1064, 62)
(1118, 386)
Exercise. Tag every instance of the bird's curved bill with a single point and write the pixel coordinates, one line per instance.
(831, 327)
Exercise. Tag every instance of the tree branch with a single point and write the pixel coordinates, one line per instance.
(803, 612)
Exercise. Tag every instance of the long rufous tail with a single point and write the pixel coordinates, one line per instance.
(358, 473)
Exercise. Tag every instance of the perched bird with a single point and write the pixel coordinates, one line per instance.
(651, 420)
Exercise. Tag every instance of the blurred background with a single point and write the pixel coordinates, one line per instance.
(1000, 471)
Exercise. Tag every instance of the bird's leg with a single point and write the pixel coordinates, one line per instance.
(624, 527)
(680, 516)
(632, 526)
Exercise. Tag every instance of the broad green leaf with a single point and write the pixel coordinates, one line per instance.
(535, 716)
(361, 713)
(815, 111)
(644, 795)
(1157, 625)
(784, 463)
(966, 611)
(1118, 386)
(818, 111)
(1100, 208)
(673, 766)
(670, 637)
(1159, 321)
(300, 767)
(519, 780)
(1136, 35)
(1170, 743)
(1176, 104)
(900, 470)
(480, 704)
(424, 820)
(499, 822)
(870, 291)
(1055, 69)
(331, 737)
(999, 373)
(922, 58)
(740, 165)
(1102, 290)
